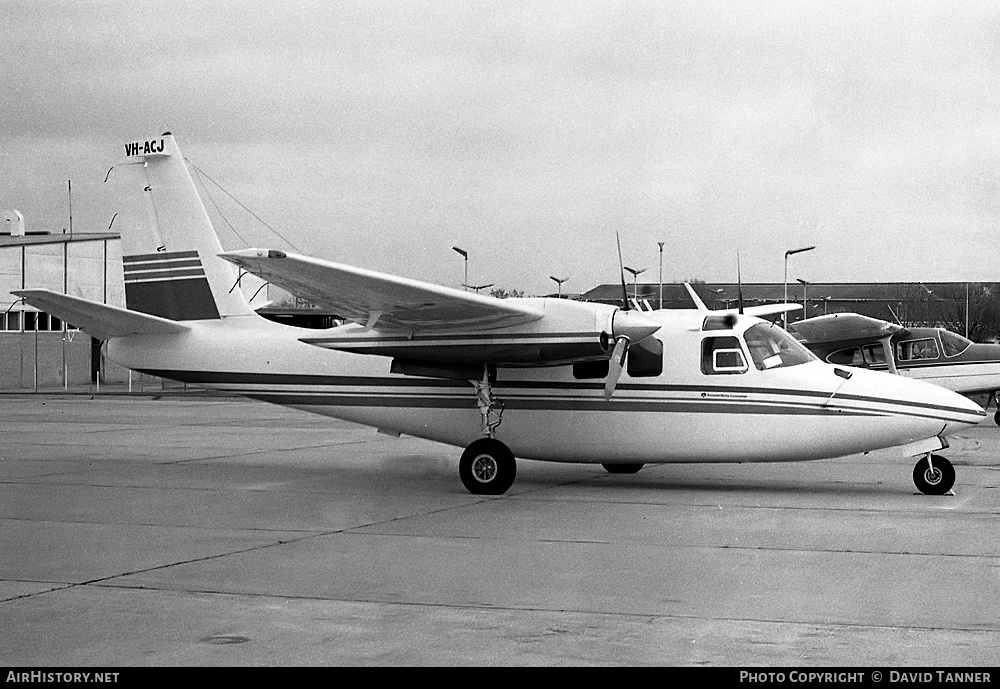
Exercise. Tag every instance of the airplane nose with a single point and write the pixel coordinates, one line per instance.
(917, 399)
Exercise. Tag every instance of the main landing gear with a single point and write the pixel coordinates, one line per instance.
(487, 466)
(934, 475)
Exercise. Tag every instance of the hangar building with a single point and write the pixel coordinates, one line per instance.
(38, 350)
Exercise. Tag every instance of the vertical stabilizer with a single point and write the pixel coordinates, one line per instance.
(172, 265)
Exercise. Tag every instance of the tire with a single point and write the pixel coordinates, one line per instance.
(936, 482)
(622, 468)
(996, 417)
(487, 467)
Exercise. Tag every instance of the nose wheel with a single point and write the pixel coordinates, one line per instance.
(934, 475)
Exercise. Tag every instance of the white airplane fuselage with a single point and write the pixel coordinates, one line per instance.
(794, 413)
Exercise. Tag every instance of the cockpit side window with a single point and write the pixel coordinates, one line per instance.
(772, 347)
(915, 350)
(722, 355)
(953, 344)
(874, 354)
(850, 356)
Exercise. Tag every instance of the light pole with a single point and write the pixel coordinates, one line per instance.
(784, 316)
(559, 282)
(805, 286)
(660, 244)
(465, 255)
(927, 300)
(635, 281)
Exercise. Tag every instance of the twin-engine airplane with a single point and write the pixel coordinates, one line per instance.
(935, 355)
(537, 378)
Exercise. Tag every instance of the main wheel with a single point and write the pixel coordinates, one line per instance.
(622, 468)
(487, 467)
(996, 417)
(934, 478)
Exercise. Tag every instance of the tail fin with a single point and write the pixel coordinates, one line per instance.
(172, 266)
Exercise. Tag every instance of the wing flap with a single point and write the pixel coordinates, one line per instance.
(98, 320)
(383, 302)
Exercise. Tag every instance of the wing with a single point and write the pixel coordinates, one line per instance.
(386, 303)
(431, 330)
(98, 320)
(843, 327)
(826, 334)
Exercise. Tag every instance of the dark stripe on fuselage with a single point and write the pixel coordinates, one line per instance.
(456, 337)
(712, 397)
(548, 403)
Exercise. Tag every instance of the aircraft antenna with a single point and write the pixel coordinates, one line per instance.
(199, 173)
(739, 284)
(621, 272)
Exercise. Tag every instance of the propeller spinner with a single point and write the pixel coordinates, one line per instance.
(626, 327)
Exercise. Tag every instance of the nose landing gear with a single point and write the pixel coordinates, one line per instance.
(934, 475)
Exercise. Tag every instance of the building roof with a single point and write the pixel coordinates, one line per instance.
(675, 295)
(35, 238)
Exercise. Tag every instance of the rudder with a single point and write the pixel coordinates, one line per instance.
(172, 266)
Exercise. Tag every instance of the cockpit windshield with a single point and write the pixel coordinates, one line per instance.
(953, 343)
(771, 347)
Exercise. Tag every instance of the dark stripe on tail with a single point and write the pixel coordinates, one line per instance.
(169, 285)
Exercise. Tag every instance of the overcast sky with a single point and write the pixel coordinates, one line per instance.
(381, 134)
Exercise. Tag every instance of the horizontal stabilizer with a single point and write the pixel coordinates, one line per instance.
(98, 320)
(762, 310)
(759, 310)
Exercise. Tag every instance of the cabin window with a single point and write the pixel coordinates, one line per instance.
(953, 344)
(916, 350)
(645, 358)
(722, 355)
(869, 355)
(590, 369)
(772, 347)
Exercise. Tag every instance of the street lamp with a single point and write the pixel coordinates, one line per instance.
(660, 244)
(559, 282)
(784, 316)
(805, 286)
(635, 283)
(465, 255)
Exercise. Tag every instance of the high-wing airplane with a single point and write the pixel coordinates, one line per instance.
(536, 378)
(935, 355)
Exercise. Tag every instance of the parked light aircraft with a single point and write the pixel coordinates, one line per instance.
(935, 355)
(537, 378)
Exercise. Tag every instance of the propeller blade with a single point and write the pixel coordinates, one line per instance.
(615, 367)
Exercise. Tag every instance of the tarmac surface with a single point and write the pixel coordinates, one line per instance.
(195, 530)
